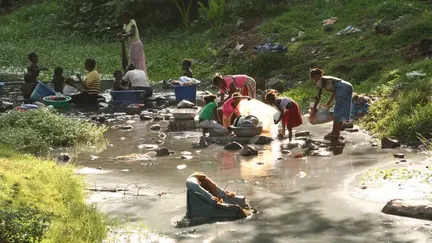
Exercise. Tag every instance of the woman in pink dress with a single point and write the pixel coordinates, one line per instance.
(230, 84)
(131, 33)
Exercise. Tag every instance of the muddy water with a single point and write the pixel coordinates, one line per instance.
(299, 200)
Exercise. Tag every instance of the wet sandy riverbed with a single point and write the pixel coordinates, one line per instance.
(299, 200)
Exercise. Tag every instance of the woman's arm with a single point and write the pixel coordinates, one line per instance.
(332, 98)
(232, 89)
(317, 99)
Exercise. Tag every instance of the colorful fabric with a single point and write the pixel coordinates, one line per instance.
(249, 89)
(227, 107)
(238, 80)
(343, 98)
(137, 56)
(208, 111)
(128, 27)
(357, 110)
(292, 116)
(91, 83)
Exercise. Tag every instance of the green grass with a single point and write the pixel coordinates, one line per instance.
(37, 131)
(394, 174)
(41, 201)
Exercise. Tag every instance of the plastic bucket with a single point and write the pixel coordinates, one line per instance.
(128, 96)
(41, 91)
(188, 93)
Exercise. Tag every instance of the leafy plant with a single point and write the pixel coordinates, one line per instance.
(213, 13)
(36, 131)
(184, 11)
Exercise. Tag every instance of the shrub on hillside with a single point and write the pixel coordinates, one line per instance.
(36, 131)
(40, 201)
(102, 17)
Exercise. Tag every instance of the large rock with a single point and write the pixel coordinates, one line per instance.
(275, 83)
(132, 110)
(155, 127)
(162, 152)
(233, 146)
(418, 210)
(249, 150)
(260, 140)
(389, 143)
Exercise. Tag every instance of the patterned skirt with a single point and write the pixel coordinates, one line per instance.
(342, 110)
(249, 88)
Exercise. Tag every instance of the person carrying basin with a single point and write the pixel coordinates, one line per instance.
(231, 84)
(289, 112)
(229, 110)
(341, 93)
(206, 116)
(138, 80)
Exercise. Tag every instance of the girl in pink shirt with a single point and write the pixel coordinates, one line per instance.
(229, 110)
(235, 83)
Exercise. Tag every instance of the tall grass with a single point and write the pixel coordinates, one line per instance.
(37, 131)
(41, 201)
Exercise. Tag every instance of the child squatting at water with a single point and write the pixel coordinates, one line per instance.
(206, 117)
(289, 112)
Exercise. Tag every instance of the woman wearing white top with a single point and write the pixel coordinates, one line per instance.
(138, 80)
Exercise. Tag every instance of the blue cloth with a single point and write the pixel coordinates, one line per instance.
(343, 98)
(358, 110)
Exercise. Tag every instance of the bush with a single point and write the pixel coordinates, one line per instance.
(36, 131)
(251, 8)
(43, 202)
(102, 17)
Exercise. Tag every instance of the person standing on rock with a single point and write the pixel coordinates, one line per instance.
(341, 93)
(136, 48)
(231, 84)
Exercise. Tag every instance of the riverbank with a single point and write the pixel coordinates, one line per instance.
(43, 201)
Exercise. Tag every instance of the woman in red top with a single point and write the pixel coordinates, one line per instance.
(230, 84)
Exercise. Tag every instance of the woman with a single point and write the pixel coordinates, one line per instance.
(235, 83)
(229, 110)
(341, 92)
(137, 80)
(136, 51)
(91, 85)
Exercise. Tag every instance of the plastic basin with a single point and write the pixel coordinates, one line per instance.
(247, 131)
(58, 103)
(41, 91)
(128, 96)
(188, 93)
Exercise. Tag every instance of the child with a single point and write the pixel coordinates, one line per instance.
(289, 110)
(206, 117)
(186, 66)
(58, 79)
(229, 110)
(33, 69)
(70, 87)
(359, 106)
(119, 83)
(91, 85)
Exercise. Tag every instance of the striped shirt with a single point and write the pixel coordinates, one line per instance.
(91, 83)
